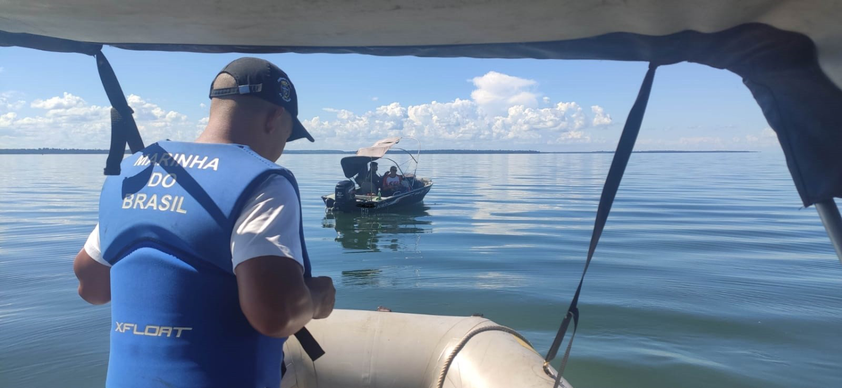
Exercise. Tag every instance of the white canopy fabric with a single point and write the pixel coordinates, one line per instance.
(379, 148)
(372, 23)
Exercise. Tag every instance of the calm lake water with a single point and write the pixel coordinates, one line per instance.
(708, 274)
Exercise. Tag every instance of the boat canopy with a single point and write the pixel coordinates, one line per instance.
(352, 165)
(788, 52)
(379, 148)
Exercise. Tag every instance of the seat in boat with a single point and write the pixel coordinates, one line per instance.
(367, 188)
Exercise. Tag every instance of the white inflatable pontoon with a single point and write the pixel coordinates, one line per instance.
(373, 349)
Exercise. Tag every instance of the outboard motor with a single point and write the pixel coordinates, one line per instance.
(345, 195)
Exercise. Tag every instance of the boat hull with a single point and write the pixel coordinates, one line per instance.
(371, 349)
(371, 203)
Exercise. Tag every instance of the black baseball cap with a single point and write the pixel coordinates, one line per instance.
(260, 78)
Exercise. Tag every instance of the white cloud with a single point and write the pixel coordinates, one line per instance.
(68, 121)
(65, 102)
(496, 92)
(375, 98)
(65, 121)
(600, 117)
(200, 126)
(503, 112)
(766, 138)
(202, 105)
(7, 119)
(534, 124)
(768, 133)
(156, 123)
(9, 102)
(147, 111)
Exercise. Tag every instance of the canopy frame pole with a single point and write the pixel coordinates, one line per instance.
(832, 221)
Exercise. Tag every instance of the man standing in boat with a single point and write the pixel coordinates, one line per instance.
(200, 246)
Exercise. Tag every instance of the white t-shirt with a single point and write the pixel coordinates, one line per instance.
(267, 226)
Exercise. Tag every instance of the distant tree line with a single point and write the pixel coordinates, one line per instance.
(51, 151)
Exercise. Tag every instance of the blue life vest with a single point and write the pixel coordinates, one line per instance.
(165, 227)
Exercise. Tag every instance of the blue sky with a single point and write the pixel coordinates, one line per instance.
(348, 101)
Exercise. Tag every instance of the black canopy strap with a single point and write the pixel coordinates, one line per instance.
(609, 191)
(123, 127)
(118, 143)
(309, 344)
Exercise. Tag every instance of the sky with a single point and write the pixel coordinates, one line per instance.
(349, 101)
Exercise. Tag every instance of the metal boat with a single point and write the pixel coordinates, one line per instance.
(361, 192)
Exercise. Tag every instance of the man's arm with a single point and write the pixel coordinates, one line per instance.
(94, 279)
(276, 299)
(267, 255)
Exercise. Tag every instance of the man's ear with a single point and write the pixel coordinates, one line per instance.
(273, 119)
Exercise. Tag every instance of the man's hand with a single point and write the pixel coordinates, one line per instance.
(323, 294)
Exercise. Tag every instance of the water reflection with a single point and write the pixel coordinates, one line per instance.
(400, 230)
(361, 277)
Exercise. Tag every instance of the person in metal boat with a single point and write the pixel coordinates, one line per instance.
(360, 177)
(199, 246)
(369, 180)
(392, 182)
